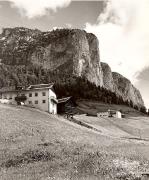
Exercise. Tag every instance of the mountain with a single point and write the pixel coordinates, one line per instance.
(117, 83)
(31, 56)
(74, 49)
(124, 88)
(108, 81)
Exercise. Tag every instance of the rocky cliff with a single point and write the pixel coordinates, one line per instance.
(117, 83)
(124, 88)
(72, 52)
(108, 81)
(75, 50)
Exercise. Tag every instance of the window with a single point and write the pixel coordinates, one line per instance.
(44, 93)
(30, 94)
(36, 94)
(36, 102)
(29, 102)
(43, 101)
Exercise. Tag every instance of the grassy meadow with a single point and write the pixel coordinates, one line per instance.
(35, 145)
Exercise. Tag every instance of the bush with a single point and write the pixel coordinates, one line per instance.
(20, 99)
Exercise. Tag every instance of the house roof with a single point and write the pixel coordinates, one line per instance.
(31, 87)
(54, 99)
(41, 86)
(63, 100)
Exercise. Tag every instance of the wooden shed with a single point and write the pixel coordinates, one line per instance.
(66, 105)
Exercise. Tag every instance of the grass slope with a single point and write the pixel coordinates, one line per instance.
(93, 107)
(132, 127)
(35, 145)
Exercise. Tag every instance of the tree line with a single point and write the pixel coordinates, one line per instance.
(66, 84)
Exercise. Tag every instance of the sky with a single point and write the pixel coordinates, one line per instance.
(121, 26)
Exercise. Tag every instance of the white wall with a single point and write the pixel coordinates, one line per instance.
(118, 114)
(48, 106)
(52, 106)
(39, 98)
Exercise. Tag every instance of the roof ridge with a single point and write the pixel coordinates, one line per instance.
(34, 86)
(65, 97)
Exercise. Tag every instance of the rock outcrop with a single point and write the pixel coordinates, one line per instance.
(117, 83)
(108, 81)
(64, 51)
(74, 49)
(124, 88)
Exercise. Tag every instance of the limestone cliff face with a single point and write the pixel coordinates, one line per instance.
(96, 69)
(108, 81)
(120, 85)
(124, 88)
(15, 45)
(74, 50)
(77, 50)
(65, 51)
(86, 58)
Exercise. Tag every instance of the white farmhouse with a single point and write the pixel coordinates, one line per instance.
(114, 113)
(110, 113)
(41, 96)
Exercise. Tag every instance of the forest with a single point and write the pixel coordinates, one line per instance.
(66, 84)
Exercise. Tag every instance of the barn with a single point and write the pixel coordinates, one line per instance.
(66, 105)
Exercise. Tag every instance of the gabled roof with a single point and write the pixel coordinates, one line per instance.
(31, 87)
(63, 100)
(41, 86)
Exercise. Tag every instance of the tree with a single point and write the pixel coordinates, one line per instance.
(131, 104)
(20, 98)
(136, 107)
(143, 109)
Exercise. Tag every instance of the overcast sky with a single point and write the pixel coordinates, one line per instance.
(121, 26)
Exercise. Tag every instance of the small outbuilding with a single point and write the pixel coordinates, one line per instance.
(114, 113)
(66, 105)
(110, 113)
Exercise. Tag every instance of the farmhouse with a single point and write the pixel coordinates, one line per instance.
(41, 96)
(110, 113)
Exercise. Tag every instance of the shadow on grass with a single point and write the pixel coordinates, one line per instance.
(82, 124)
(28, 157)
(79, 163)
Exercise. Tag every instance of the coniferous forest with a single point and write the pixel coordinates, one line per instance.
(65, 84)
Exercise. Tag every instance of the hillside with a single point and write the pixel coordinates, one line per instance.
(37, 145)
(30, 56)
(134, 125)
(92, 107)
